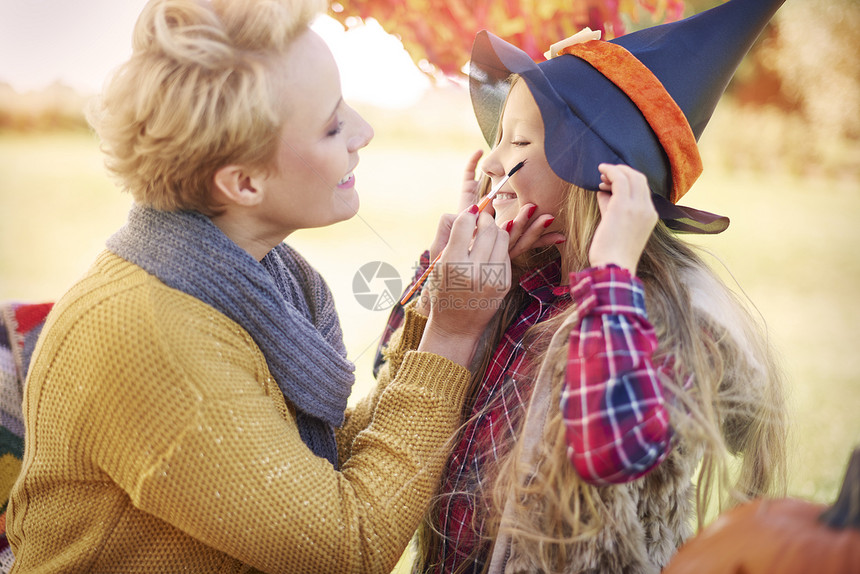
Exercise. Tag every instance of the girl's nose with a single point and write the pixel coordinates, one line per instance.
(491, 166)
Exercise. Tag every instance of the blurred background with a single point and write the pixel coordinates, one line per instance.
(781, 156)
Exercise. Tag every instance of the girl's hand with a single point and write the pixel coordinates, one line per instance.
(467, 286)
(528, 232)
(627, 217)
(469, 190)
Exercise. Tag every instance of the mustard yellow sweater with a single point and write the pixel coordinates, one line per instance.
(157, 441)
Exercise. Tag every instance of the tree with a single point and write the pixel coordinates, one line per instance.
(438, 34)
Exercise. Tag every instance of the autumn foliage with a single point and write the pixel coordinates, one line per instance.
(440, 32)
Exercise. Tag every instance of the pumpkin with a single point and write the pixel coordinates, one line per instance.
(780, 536)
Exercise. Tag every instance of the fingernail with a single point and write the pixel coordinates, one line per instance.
(473, 209)
(548, 222)
(560, 241)
(509, 225)
(531, 211)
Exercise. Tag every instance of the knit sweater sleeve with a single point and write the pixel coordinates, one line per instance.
(152, 397)
(406, 338)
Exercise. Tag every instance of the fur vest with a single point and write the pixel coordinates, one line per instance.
(643, 523)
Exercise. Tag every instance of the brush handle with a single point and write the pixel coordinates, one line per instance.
(487, 199)
(481, 207)
(412, 290)
(485, 202)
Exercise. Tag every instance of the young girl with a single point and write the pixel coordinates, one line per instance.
(620, 369)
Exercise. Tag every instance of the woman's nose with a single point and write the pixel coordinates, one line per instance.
(362, 135)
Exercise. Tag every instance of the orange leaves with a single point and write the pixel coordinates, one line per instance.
(440, 32)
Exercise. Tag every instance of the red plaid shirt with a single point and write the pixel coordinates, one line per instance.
(613, 402)
(613, 405)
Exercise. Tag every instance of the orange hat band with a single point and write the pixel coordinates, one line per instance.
(662, 113)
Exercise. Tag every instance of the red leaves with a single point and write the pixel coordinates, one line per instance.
(440, 32)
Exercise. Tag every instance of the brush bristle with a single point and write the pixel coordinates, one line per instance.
(516, 168)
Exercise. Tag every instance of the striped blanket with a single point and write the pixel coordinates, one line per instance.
(20, 325)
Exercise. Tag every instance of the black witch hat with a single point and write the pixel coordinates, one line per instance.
(642, 99)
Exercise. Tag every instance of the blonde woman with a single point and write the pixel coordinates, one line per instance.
(620, 370)
(185, 407)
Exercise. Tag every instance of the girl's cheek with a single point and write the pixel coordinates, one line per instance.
(506, 214)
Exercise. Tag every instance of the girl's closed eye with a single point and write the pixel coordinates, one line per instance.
(338, 127)
(520, 143)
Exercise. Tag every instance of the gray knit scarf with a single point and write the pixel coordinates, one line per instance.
(281, 301)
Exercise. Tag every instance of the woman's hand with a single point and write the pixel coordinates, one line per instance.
(524, 232)
(467, 286)
(468, 196)
(627, 217)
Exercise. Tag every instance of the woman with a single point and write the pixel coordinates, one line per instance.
(185, 404)
(620, 365)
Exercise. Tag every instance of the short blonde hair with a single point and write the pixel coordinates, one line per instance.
(197, 93)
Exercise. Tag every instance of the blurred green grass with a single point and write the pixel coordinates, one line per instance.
(792, 247)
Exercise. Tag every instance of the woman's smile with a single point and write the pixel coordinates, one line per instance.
(347, 181)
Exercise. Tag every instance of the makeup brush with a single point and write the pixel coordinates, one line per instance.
(489, 197)
(481, 207)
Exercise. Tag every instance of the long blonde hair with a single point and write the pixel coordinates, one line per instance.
(198, 93)
(734, 406)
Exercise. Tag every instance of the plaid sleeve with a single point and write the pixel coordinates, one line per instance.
(613, 404)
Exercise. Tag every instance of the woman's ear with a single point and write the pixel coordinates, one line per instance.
(234, 184)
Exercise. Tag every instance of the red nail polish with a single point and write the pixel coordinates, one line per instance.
(548, 222)
(560, 241)
(531, 211)
(473, 209)
(509, 225)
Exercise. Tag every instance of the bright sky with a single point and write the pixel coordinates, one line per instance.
(79, 42)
